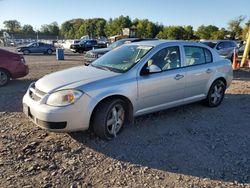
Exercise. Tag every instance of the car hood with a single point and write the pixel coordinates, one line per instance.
(23, 46)
(71, 78)
(100, 51)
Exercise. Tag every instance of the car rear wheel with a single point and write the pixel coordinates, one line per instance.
(4, 77)
(49, 51)
(26, 52)
(109, 118)
(216, 93)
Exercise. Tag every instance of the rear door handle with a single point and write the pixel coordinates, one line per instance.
(209, 71)
(178, 76)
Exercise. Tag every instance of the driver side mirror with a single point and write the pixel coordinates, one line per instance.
(151, 69)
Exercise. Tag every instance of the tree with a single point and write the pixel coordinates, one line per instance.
(114, 27)
(172, 33)
(220, 34)
(206, 32)
(146, 28)
(245, 31)
(28, 29)
(189, 32)
(45, 29)
(67, 30)
(53, 29)
(12, 25)
(235, 28)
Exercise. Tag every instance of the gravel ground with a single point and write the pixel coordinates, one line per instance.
(188, 146)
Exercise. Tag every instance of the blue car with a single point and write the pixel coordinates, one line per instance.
(36, 47)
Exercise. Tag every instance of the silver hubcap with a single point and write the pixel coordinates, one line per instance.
(3, 78)
(217, 94)
(115, 119)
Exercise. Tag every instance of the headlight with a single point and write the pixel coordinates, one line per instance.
(63, 97)
(99, 55)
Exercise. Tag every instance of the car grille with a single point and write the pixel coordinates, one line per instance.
(90, 55)
(35, 93)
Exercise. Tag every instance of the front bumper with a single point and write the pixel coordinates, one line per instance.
(70, 118)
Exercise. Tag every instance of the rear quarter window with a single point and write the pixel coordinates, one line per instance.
(197, 55)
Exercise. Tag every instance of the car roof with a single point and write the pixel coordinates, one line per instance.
(173, 42)
(215, 41)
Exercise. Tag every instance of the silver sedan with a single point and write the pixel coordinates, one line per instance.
(129, 81)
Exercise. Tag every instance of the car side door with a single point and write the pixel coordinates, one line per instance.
(42, 48)
(225, 49)
(164, 86)
(199, 69)
(34, 48)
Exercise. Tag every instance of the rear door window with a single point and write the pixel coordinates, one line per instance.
(197, 55)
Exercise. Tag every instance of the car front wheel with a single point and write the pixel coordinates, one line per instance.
(4, 77)
(26, 52)
(109, 118)
(49, 51)
(216, 93)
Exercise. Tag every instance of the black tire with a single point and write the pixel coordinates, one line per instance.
(49, 51)
(103, 116)
(26, 52)
(216, 93)
(4, 77)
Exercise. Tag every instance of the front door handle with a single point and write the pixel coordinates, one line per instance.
(178, 76)
(209, 71)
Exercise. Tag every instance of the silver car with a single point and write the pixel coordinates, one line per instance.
(225, 48)
(129, 81)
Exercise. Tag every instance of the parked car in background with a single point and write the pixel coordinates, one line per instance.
(92, 55)
(12, 65)
(225, 48)
(65, 44)
(86, 45)
(241, 51)
(36, 47)
(132, 80)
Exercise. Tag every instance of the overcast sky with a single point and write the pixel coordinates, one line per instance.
(178, 12)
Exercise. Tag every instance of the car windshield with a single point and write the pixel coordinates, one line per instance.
(118, 43)
(121, 59)
(210, 44)
(31, 44)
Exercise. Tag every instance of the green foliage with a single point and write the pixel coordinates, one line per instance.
(245, 30)
(98, 27)
(51, 29)
(12, 26)
(220, 34)
(235, 28)
(67, 30)
(206, 32)
(114, 27)
(28, 29)
(146, 28)
(176, 33)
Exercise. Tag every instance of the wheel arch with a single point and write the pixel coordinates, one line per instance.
(129, 106)
(215, 79)
(6, 70)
